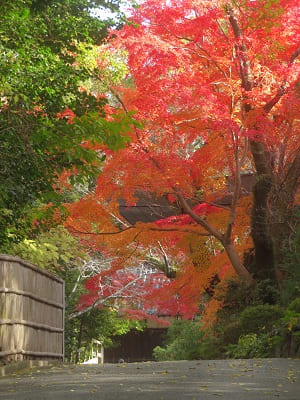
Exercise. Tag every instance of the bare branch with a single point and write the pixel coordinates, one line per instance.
(76, 230)
(119, 100)
(165, 257)
(151, 228)
(103, 301)
(119, 220)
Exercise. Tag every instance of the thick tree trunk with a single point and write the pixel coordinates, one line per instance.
(269, 221)
(272, 219)
(281, 214)
(260, 231)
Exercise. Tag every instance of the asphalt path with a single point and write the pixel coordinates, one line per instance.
(194, 380)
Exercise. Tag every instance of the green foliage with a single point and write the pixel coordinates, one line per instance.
(291, 267)
(44, 59)
(186, 340)
(54, 250)
(291, 320)
(229, 331)
(260, 321)
(260, 318)
(252, 345)
(255, 332)
(244, 310)
(238, 295)
(278, 337)
(102, 324)
(294, 306)
(113, 69)
(288, 331)
(267, 292)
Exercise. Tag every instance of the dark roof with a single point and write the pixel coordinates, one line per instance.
(150, 208)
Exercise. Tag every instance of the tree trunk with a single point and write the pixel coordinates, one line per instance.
(282, 219)
(267, 237)
(237, 264)
(79, 340)
(272, 219)
(260, 231)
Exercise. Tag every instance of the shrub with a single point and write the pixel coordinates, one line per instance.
(295, 305)
(267, 292)
(291, 319)
(261, 318)
(268, 331)
(231, 332)
(291, 267)
(186, 341)
(252, 345)
(237, 296)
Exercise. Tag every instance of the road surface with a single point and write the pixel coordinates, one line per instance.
(193, 380)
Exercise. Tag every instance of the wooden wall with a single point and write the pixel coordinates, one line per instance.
(31, 312)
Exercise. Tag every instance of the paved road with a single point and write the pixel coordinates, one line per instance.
(193, 380)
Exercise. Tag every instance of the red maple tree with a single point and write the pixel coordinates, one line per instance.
(216, 86)
(136, 293)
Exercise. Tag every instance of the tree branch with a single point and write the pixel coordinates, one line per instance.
(152, 228)
(282, 90)
(165, 257)
(200, 220)
(236, 194)
(241, 51)
(103, 301)
(100, 233)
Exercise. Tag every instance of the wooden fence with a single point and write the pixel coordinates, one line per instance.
(31, 312)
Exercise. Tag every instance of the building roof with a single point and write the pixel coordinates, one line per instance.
(150, 208)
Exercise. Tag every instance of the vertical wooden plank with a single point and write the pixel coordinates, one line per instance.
(15, 276)
(63, 321)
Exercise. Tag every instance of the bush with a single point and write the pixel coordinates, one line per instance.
(261, 318)
(186, 341)
(230, 332)
(268, 331)
(291, 319)
(259, 328)
(237, 296)
(267, 292)
(252, 345)
(295, 305)
(291, 267)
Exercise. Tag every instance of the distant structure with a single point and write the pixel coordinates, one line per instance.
(150, 208)
(96, 355)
